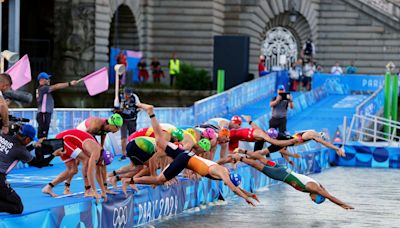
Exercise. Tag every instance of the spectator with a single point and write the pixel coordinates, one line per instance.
(143, 74)
(351, 69)
(279, 105)
(319, 69)
(5, 84)
(308, 72)
(156, 70)
(336, 69)
(45, 101)
(174, 68)
(128, 111)
(262, 70)
(293, 77)
(299, 69)
(308, 51)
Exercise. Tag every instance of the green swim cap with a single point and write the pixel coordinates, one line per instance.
(205, 144)
(115, 120)
(178, 134)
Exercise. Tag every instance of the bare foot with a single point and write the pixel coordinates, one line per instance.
(108, 191)
(89, 193)
(125, 184)
(48, 190)
(67, 191)
(134, 187)
(113, 182)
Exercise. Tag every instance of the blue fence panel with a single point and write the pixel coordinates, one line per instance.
(358, 155)
(214, 106)
(233, 99)
(342, 84)
(250, 91)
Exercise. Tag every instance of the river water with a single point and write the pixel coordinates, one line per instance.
(375, 194)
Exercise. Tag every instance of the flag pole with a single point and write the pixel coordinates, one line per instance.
(119, 70)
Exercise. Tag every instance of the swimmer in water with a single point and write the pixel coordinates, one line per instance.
(300, 182)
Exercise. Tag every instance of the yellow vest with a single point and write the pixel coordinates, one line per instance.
(174, 66)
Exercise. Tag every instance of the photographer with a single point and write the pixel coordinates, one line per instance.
(12, 150)
(5, 84)
(279, 106)
(128, 110)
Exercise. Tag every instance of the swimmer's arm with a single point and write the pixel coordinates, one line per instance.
(223, 149)
(249, 194)
(225, 160)
(235, 189)
(92, 168)
(312, 187)
(329, 145)
(251, 160)
(253, 156)
(161, 142)
(287, 159)
(251, 123)
(103, 140)
(262, 151)
(212, 152)
(282, 143)
(287, 153)
(99, 176)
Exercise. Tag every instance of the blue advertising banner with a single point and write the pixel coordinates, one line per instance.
(117, 211)
(130, 59)
(370, 156)
(346, 83)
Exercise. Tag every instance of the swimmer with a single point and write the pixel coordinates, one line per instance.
(300, 182)
(81, 145)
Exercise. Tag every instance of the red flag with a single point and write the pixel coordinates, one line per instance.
(20, 73)
(96, 82)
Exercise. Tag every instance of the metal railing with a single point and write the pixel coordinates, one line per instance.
(370, 130)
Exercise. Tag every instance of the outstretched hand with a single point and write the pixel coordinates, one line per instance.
(254, 196)
(250, 202)
(347, 207)
(340, 152)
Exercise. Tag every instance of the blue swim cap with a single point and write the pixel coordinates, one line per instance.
(319, 199)
(235, 178)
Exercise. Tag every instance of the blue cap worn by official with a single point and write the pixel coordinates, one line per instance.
(128, 90)
(29, 131)
(43, 75)
(281, 87)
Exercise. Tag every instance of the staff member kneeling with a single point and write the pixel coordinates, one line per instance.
(12, 150)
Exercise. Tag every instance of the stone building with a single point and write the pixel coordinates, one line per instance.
(73, 37)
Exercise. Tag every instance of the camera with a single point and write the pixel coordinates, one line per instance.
(284, 95)
(14, 124)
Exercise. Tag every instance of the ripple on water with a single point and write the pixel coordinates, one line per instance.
(375, 193)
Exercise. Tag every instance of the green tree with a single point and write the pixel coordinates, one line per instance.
(190, 78)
